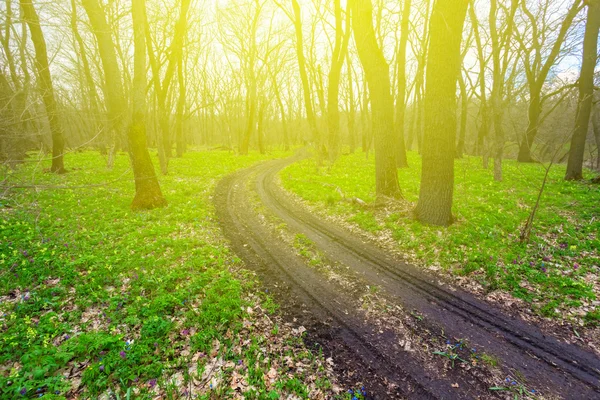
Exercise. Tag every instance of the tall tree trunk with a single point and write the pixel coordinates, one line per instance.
(147, 190)
(464, 109)
(401, 159)
(351, 106)
(116, 103)
(500, 51)
(482, 134)
(443, 68)
(261, 127)
(596, 124)
(46, 86)
(333, 90)
(87, 73)
(310, 113)
(284, 123)
(179, 128)
(162, 88)
(382, 103)
(586, 92)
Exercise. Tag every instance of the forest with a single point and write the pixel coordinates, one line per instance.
(300, 199)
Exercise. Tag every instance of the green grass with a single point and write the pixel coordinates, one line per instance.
(122, 300)
(555, 272)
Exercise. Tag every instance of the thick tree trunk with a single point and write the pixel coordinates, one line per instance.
(401, 159)
(586, 92)
(46, 86)
(147, 190)
(382, 104)
(443, 68)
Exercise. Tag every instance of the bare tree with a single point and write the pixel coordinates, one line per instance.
(537, 69)
(46, 86)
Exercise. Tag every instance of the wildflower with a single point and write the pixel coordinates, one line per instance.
(543, 270)
(123, 355)
(240, 362)
(185, 332)
(102, 368)
(67, 337)
(474, 350)
(531, 263)
(575, 266)
(152, 383)
(57, 392)
(23, 391)
(563, 245)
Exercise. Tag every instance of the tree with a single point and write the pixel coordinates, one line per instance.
(147, 190)
(443, 68)
(586, 91)
(382, 106)
(161, 88)
(537, 70)
(115, 98)
(333, 90)
(46, 86)
(401, 159)
(501, 39)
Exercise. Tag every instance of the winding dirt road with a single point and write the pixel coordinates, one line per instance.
(377, 355)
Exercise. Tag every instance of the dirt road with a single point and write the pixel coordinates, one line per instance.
(377, 351)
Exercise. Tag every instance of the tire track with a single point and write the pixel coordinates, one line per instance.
(388, 370)
(552, 365)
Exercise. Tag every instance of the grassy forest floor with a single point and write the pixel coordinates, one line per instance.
(96, 299)
(556, 275)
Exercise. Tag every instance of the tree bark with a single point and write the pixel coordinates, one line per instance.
(179, 118)
(443, 68)
(46, 86)
(147, 190)
(382, 104)
(401, 159)
(586, 92)
(464, 108)
(333, 89)
(351, 107)
(115, 101)
(310, 113)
